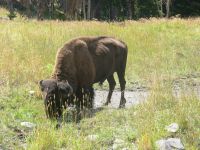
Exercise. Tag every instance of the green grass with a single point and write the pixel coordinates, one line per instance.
(159, 50)
(142, 124)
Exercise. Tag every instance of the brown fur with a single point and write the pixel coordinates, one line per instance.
(87, 60)
(79, 64)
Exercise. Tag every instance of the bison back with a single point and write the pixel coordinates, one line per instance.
(109, 56)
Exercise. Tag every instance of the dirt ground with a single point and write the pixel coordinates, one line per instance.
(132, 98)
(138, 96)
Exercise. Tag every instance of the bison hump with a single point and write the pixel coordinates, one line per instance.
(101, 49)
(85, 69)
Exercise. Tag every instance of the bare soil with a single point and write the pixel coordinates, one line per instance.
(139, 96)
(132, 98)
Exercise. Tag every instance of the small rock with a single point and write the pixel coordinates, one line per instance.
(1, 147)
(28, 125)
(175, 143)
(169, 144)
(31, 93)
(162, 145)
(172, 127)
(125, 148)
(117, 144)
(134, 146)
(24, 146)
(92, 137)
(118, 141)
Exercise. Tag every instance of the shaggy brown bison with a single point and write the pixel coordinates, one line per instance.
(79, 64)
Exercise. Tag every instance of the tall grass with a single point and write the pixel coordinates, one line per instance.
(164, 48)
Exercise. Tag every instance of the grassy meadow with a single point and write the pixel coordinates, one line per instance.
(160, 52)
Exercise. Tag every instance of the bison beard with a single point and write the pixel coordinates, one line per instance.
(83, 98)
(79, 64)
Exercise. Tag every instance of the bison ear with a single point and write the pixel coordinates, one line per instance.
(40, 83)
(64, 86)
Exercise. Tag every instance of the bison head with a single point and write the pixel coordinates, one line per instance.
(53, 93)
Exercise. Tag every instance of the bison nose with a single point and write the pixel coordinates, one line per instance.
(51, 97)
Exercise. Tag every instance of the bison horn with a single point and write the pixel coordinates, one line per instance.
(65, 86)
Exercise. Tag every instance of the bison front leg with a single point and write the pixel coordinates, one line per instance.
(112, 84)
(88, 97)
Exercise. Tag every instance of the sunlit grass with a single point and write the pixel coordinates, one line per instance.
(3, 12)
(158, 47)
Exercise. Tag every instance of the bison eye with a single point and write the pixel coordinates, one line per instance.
(42, 89)
(62, 90)
(65, 92)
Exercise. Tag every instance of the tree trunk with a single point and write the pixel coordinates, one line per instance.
(110, 10)
(51, 8)
(27, 5)
(129, 9)
(95, 9)
(168, 3)
(78, 9)
(89, 10)
(41, 7)
(28, 8)
(64, 3)
(161, 7)
(84, 12)
(11, 9)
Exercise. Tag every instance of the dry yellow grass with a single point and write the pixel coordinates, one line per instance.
(164, 48)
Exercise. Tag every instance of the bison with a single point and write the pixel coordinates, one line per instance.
(79, 64)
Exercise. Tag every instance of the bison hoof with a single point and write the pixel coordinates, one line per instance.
(106, 103)
(122, 103)
(122, 106)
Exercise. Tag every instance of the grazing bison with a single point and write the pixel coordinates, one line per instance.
(79, 64)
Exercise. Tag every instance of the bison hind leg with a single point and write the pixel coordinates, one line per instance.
(91, 97)
(112, 85)
(122, 82)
